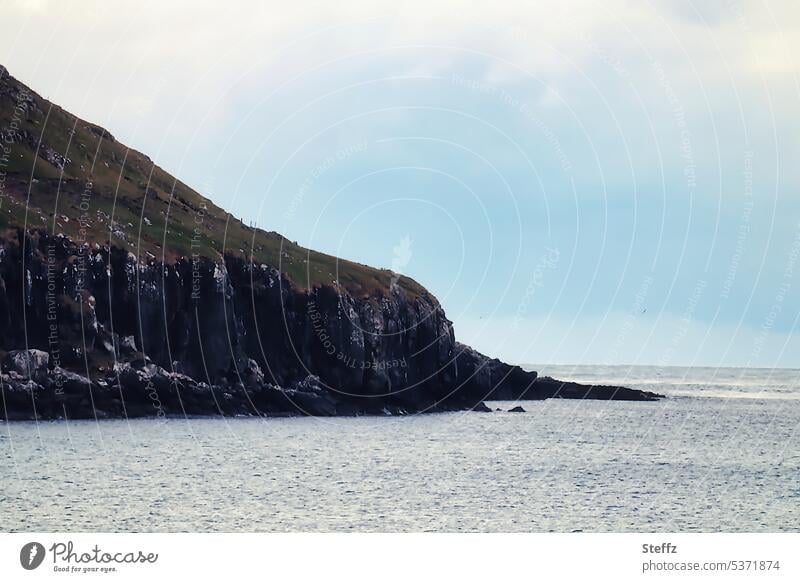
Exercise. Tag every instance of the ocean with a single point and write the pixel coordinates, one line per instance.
(721, 453)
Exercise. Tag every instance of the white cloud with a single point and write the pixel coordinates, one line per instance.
(539, 37)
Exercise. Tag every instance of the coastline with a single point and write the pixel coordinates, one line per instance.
(32, 391)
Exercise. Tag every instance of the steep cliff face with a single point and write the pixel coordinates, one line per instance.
(91, 331)
(229, 323)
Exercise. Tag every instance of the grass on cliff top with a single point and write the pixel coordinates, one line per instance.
(67, 176)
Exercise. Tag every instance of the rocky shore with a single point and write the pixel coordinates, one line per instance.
(93, 332)
(31, 390)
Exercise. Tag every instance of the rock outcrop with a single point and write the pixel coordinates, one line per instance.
(496, 380)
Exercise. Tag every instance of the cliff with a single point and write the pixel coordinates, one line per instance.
(92, 332)
(125, 293)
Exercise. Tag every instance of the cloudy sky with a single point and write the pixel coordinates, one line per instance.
(578, 182)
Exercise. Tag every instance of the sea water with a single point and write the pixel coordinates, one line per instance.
(721, 453)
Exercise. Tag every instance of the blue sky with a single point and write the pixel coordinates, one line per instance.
(602, 182)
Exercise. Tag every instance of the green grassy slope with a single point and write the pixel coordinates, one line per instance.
(65, 175)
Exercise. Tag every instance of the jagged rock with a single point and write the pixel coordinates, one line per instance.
(517, 409)
(127, 345)
(481, 407)
(252, 374)
(19, 398)
(310, 384)
(30, 364)
(490, 379)
(313, 403)
(547, 387)
(68, 382)
(54, 157)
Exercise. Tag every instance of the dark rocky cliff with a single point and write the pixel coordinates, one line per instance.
(166, 304)
(90, 331)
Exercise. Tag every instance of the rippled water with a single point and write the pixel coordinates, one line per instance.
(721, 454)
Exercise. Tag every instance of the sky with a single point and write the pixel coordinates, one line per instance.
(588, 182)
